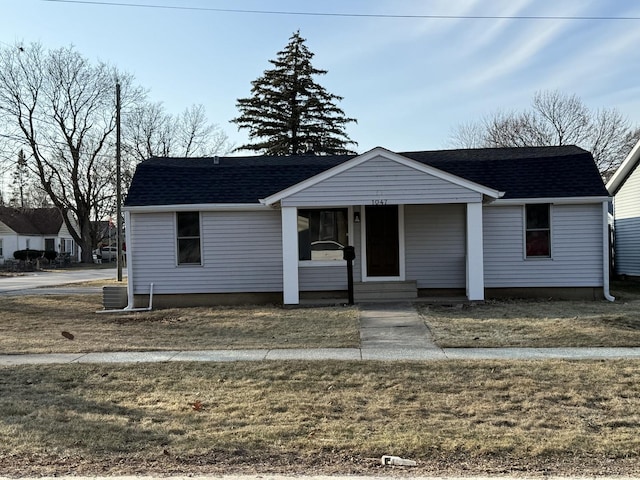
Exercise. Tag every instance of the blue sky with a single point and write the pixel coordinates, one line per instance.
(408, 81)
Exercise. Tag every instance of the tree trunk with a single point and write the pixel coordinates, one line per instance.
(85, 243)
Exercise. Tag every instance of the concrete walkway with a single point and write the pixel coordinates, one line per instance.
(388, 331)
(395, 331)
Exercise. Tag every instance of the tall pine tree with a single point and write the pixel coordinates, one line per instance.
(288, 113)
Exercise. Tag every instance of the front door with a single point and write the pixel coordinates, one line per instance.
(383, 243)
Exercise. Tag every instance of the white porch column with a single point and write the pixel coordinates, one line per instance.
(291, 295)
(475, 252)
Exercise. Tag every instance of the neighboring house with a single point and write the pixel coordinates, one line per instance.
(35, 229)
(479, 223)
(624, 186)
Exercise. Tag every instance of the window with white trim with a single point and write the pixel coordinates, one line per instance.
(322, 233)
(68, 246)
(538, 230)
(188, 241)
(1, 247)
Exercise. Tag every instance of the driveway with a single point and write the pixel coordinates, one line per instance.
(32, 280)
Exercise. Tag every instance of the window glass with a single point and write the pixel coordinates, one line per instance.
(68, 246)
(538, 230)
(188, 238)
(1, 247)
(322, 233)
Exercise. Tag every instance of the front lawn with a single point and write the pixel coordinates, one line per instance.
(540, 323)
(34, 324)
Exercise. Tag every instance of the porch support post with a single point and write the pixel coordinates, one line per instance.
(475, 252)
(291, 294)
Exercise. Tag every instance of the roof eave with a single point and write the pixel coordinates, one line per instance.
(554, 200)
(201, 207)
(623, 171)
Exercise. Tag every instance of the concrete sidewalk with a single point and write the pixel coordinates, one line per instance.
(352, 354)
(388, 332)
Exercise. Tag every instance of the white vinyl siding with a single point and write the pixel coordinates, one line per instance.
(381, 180)
(323, 278)
(435, 245)
(576, 245)
(627, 226)
(241, 252)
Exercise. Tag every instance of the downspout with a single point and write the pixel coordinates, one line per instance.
(605, 252)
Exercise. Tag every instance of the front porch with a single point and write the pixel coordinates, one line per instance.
(425, 255)
(406, 221)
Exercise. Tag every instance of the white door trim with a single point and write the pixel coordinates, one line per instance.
(401, 248)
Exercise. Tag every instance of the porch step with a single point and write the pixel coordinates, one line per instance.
(384, 291)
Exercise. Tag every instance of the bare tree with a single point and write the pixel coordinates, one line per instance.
(468, 135)
(555, 118)
(150, 131)
(63, 111)
(197, 137)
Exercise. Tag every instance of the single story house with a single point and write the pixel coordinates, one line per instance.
(474, 222)
(35, 229)
(624, 186)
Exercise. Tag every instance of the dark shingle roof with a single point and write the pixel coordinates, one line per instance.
(524, 172)
(531, 172)
(32, 221)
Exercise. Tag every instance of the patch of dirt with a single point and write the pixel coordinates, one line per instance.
(241, 463)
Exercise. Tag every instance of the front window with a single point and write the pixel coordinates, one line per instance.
(188, 238)
(68, 246)
(538, 230)
(322, 233)
(1, 247)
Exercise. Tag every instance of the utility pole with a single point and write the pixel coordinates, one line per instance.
(118, 186)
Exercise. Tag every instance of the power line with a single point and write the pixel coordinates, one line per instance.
(344, 15)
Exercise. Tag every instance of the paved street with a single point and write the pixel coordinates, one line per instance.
(33, 280)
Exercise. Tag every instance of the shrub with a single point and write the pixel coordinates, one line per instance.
(28, 254)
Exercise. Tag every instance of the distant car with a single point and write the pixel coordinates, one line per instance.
(106, 254)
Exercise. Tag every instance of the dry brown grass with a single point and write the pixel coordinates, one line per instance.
(95, 283)
(551, 417)
(540, 323)
(33, 324)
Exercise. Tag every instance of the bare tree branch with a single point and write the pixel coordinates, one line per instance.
(555, 118)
